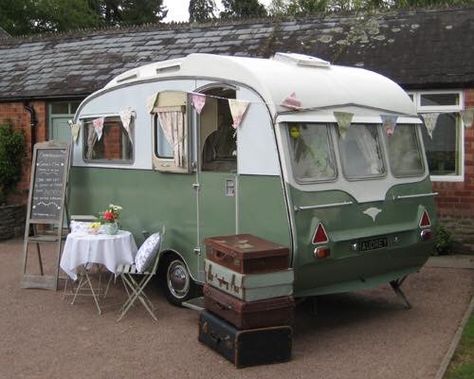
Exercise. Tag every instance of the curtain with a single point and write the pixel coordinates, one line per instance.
(91, 140)
(172, 124)
(368, 146)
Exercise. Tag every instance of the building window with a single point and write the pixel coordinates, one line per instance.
(60, 113)
(443, 134)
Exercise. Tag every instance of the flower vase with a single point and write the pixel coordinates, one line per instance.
(110, 228)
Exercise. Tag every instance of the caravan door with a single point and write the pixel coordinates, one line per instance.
(216, 176)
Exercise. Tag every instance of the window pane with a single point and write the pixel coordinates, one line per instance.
(440, 99)
(163, 148)
(74, 106)
(404, 151)
(361, 153)
(311, 152)
(442, 148)
(60, 108)
(114, 144)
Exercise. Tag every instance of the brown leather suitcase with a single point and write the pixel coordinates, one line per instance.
(247, 254)
(252, 314)
(245, 347)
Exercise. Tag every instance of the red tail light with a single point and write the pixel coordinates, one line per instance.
(425, 221)
(320, 235)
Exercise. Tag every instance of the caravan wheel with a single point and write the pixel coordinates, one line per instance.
(177, 283)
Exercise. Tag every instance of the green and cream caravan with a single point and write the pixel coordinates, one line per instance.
(326, 160)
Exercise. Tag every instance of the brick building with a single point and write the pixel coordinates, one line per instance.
(427, 51)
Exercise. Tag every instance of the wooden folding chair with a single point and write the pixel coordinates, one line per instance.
(135, 277)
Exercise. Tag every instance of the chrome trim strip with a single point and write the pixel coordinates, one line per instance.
(398, 197)
(308, 207)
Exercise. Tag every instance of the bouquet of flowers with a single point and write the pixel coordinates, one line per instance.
(110, 215)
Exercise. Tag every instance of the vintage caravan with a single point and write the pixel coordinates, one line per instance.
(323, 159)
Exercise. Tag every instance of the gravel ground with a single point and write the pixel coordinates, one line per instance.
(360, 335)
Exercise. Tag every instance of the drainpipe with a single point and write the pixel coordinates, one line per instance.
(33, 123)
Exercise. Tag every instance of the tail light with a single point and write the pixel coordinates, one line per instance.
(320, 237)
(425, 221)
(425, 224)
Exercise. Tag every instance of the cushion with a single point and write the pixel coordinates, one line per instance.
(147, 252)
(80, 227)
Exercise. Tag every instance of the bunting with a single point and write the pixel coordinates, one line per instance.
(389, 123)
(98, 124)
(344, 120)
(150, 102)
(126, 116)
(430, 122)
(198, 101)
(237, 110)
(291, 102)
(75, 128)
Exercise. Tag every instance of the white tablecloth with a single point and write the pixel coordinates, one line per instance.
(109, 250)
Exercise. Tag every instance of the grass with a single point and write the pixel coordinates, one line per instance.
(462, 364)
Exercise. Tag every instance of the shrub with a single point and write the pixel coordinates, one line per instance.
(12, 148)
(444, 240)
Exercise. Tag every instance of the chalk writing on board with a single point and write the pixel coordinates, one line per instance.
(48, 184)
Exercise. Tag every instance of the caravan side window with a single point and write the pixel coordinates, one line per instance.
(111, 144)
(404, 151)
(170, 131)
(311, 152)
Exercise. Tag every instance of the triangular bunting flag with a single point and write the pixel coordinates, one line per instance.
(126, 116)
(150, 102)
(98, 126)
(430, 122)
(389, 123)
(75, 128)
(344, 120)
(198, 101)
(467, 116)
(237, 110)
(291, 102)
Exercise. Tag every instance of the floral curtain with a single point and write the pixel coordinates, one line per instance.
(172, 124)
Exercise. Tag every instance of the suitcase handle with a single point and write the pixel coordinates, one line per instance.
(215, 338)
(219, 255)
(223, 306)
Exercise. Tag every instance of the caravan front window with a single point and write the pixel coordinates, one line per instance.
(107, 140)
(361, 153)
(404, 151)
(311, 152)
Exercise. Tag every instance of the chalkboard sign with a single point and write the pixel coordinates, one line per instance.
(49, 175)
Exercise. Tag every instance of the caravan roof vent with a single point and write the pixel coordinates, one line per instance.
(168, 69)
(301, 60)
(126, 77)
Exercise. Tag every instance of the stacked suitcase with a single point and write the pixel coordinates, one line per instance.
(247, 296)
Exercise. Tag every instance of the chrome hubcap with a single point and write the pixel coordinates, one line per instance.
(178, 279)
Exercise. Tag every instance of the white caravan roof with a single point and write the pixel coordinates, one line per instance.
(314, 82)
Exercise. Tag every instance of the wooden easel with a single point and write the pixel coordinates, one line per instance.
(47, 207)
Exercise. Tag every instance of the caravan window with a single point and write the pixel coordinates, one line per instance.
(361, 152)
(111, 144)
(404, 151)
(311, 152)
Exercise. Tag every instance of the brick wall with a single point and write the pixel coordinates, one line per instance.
(16, 114)
(456, 199)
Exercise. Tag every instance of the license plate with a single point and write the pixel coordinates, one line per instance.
(373, 244)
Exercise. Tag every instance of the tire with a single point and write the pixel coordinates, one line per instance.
(177, 284)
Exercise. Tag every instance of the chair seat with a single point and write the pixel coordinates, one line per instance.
(131, 269)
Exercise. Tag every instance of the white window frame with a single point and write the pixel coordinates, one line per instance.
(444, 109)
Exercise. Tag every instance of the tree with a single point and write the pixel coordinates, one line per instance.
(36, 16)
(201, 10)
(242, 9)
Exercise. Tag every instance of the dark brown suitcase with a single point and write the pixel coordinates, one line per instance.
(247, 254)
(245, 347)
(252, 314)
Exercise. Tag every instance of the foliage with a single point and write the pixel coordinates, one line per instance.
(12, 147)
(242, 9)
(462, 364)
(307, 7)
(36, 16)
(201, 10)
(444, 240)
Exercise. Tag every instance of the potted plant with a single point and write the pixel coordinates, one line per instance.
(12, 148)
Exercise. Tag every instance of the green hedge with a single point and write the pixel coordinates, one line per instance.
(12, 148)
